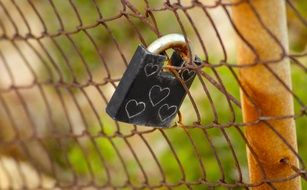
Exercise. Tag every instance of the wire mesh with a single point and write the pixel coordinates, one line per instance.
(60, 62)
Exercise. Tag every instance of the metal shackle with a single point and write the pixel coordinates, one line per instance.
(176, 41)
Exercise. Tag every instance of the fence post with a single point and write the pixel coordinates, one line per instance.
(267, 92)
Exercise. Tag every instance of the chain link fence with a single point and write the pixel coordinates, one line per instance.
(60, 62)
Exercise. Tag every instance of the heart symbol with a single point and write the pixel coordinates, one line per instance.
(151, 69)
(165, 112)
(158, 94)
(187, 74)
(134, 108)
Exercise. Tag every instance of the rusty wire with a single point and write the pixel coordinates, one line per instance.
(61, 81)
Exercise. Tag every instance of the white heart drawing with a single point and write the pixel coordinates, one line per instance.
(170, 111)
(137, 108)
(157, 94)
(188, 73)
(151, 69)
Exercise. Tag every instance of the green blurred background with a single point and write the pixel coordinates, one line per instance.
(90, 145)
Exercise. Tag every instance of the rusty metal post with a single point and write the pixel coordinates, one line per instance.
(268, 93)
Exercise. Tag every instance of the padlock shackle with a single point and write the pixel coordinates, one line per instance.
(176, 41)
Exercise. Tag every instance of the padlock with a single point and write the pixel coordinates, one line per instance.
(147, 95)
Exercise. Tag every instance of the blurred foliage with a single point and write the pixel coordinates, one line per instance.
(297, 31)
(85, 155)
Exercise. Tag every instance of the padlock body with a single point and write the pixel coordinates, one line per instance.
(146, 95)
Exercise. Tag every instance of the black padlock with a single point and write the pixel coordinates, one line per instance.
(147, 95)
